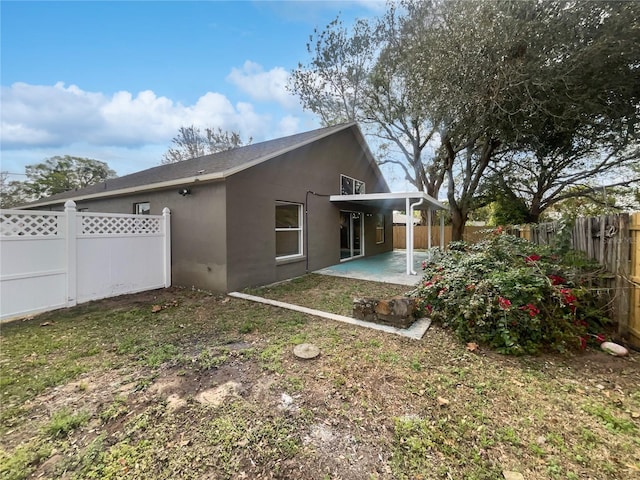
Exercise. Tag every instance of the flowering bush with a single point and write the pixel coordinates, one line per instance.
(513, 295)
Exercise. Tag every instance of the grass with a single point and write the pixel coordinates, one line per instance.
(90, 396)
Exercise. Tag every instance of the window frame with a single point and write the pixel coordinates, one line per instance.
(380, 228)
(136, 208)
(354, 182)
(299, 229)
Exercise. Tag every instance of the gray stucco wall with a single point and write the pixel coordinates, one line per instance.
(198, 230)
(252, 195)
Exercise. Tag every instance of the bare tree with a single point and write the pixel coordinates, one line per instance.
(191, 142)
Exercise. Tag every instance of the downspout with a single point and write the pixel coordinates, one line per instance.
(411, 271)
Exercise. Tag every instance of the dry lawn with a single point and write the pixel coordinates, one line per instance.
(207, 387)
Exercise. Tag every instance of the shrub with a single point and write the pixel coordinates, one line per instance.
(513, 295)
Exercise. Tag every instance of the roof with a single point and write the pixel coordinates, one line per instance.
(392, 201)
(216, 166)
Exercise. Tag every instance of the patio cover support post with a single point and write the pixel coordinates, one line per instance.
(429, 229)
(442, 232)
(408, 234)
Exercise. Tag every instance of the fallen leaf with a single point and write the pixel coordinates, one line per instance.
(635, 414)
(518, 384)
(47, 324)
(443, 402)
(156, 308)
(225, 300)
(472, 346)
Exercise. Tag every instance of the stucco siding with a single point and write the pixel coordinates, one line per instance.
(252, 196)
(198, 230)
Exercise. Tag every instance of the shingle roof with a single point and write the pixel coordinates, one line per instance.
(222, 164)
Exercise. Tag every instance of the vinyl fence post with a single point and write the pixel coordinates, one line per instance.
(166, 216)
(72, 254)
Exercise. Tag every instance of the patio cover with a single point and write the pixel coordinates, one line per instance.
(407, 201)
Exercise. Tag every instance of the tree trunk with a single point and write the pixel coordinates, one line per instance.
(458, 221)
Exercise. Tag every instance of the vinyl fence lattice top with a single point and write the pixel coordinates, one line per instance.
(119, 225)
(29, 224)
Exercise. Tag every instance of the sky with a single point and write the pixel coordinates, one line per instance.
(114, 81)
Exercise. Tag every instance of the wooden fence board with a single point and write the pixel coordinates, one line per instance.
(421, 237)
(614, 242)
(634, 280)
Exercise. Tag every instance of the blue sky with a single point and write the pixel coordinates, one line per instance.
(115, 80)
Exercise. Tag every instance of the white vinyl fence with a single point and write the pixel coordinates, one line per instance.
(50, 260)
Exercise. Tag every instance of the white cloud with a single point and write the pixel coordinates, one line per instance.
(128, 131)
(263, 86)
(55, 116)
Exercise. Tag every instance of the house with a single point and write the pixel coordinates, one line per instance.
(261, 213)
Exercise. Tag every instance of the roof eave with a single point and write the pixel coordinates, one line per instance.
(127, 191)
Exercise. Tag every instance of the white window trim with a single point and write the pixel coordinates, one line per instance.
(299, 229)
(354, 180)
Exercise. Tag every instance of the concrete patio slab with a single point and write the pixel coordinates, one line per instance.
(389, 267)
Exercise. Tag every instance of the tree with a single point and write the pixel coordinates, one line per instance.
(63, 173)
(359, 75)
(191, 142)
(54, 175)
(12, 192)
(333, 84)
(528, 77)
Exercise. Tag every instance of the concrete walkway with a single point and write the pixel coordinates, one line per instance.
(415, 331)
(389, 267)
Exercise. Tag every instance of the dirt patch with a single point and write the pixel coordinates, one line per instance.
(371, 406)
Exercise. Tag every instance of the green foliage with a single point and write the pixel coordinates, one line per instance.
(18, 464)
(64, 421)
(513, 295)
(61, 174)
(54, 175)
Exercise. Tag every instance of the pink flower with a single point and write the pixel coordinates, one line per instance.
(556, 280)
(600, 338)
(470, 288)
(583, 343)
(532, 258)
(533, 310)
(428, 284)
(504, 303)
(569, 298)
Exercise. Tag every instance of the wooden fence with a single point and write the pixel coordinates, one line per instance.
(614, 242)
(421, 235)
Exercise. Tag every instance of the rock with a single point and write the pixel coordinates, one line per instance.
(216, 396)
(397, 311)
(512, 475)
(306, 351)
(614, 349)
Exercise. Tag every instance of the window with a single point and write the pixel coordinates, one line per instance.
(288, 230)
(351, 186)
(379, 228)
(142, 208)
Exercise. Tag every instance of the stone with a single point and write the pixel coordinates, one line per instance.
(216, 396)
(614, 349)
(306, 351)
(397, 311)
(512, 475)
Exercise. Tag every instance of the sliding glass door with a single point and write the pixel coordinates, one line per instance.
(351, 235)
